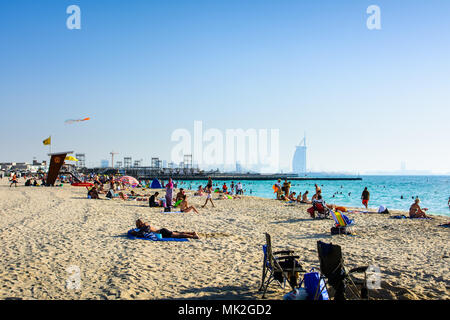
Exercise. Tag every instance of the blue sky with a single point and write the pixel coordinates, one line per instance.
(367, 99)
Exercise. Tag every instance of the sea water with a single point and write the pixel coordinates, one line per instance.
(393, 192)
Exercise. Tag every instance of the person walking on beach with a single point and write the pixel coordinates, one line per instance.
(13, 181)
(208, 196)
(365, 197)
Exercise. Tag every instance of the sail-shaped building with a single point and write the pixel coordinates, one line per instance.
(299, 160)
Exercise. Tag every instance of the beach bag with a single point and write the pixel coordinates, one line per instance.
(341, 230)
(315, 286)
(310, 211)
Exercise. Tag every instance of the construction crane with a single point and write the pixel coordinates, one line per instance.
(112, 153)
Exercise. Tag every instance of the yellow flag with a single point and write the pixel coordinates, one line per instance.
(47, 141)
(70, 158)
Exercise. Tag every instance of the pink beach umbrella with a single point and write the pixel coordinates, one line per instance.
(129, 180)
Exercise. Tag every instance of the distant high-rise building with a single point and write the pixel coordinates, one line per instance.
(403, 166)
(299, 160)
(81, 163)
(238, 167)
(104, 163)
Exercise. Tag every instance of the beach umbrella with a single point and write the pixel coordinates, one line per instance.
(70, 158)
(129, 180)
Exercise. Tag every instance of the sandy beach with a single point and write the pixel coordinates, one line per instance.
(44, 231)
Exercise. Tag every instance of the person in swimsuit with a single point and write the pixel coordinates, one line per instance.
(199, 191)
(165, 233)
(416, 212)
(180, 195)
(365, 197)
(208, 196)
(184, 207)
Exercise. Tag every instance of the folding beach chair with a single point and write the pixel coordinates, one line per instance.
(333, 269)
(281, 266)
(342, 223)
(322, 212)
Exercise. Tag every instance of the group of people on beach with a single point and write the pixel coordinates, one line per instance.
(319, 205)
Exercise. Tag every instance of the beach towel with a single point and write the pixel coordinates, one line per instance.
(152, 237)
(405, 217)
(171, 211)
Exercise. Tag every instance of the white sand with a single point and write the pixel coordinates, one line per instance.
(43, 231)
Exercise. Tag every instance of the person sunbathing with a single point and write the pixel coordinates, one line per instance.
(93, 193)
(416, 212)
(184, 207)
(299, 198)
(292, 196)
(305, 197)
(123, 196)
(145, 228)
(180, 195)
(199, 191)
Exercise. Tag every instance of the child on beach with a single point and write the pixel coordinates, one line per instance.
(13, 181)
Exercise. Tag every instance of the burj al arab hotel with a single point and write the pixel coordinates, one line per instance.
(299, 160)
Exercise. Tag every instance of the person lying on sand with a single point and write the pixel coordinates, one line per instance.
(416, 212)
(184, 207)
(145, 227)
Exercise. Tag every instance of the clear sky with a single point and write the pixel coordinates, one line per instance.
(367, 99)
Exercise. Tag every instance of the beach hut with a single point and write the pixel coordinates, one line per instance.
(156, 184)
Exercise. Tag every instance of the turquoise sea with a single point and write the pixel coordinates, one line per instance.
(433, 191)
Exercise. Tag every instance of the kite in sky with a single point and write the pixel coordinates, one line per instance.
(69, 121)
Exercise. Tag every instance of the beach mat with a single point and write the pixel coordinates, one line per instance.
(171, 212)
(152, 237)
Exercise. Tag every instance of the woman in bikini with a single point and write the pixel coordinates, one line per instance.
(184, 207)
